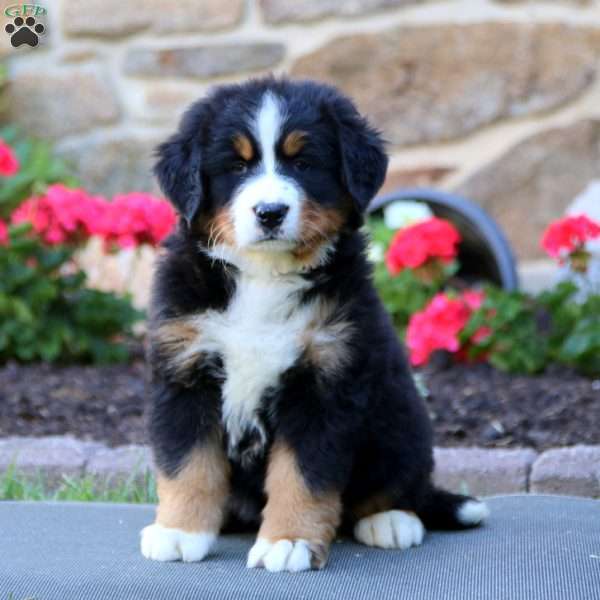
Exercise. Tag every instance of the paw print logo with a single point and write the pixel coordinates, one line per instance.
(24, 32)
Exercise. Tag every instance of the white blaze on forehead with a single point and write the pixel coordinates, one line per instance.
(266, 184)
(267, 129)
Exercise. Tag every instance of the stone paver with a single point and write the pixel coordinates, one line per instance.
(118, 465)
(574, 471)
(478, 471)
(484, 472)
(52, 456)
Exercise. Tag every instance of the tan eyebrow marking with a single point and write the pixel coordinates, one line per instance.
(294, 142)
(243, 146)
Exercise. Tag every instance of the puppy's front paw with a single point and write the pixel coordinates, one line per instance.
(165, 544)
(287, 555)
(390, 529)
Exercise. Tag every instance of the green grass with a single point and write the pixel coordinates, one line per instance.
(18, 486)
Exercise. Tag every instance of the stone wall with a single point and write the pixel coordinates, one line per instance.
(499, 100)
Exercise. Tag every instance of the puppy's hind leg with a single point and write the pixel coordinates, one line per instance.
(379, 524)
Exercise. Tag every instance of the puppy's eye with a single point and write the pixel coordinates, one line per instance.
(238, 167)
(301, 165)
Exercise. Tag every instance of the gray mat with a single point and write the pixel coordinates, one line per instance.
(533, 548)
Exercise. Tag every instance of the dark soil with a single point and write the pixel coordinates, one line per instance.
(469, 405)
(92, 403)
(476, 405)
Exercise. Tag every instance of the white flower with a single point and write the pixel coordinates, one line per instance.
(401, 213)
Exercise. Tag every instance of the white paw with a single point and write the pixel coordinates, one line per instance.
(390, 529)
(283, 555)
(164, 544)
(473, 512)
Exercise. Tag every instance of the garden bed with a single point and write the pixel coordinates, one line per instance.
(471, 405)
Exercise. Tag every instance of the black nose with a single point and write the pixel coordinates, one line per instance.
(271, 215)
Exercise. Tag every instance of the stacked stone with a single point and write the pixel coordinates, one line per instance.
(498, 100)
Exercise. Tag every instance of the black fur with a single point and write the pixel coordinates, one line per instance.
(363, 430)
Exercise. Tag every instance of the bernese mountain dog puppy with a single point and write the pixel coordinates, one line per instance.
(281, 396)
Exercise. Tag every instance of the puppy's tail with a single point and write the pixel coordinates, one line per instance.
(444, 510)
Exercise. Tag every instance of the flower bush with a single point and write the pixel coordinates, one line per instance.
(441, 326)
(46, 310)
(431, 241)
(435, 311)
(9, 163)
(419, 260)
(70, 216)
(62, 215)
(566, 238)
(131, 220)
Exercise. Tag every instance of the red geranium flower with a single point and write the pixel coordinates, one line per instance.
(3, 233)
(62, 215)
(568, 235)
(136, 218)
(415, 245)
(439, 324)
(9, 163)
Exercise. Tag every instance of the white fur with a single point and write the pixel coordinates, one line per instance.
(473, 512)
(284, 555)
(258, 337)
(166, 544)
(390, 529)
(267, 185)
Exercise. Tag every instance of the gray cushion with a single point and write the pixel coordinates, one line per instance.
(534, 547)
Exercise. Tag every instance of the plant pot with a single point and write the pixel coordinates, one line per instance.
(484, 254)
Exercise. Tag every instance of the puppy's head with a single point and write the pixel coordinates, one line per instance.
(272, 166)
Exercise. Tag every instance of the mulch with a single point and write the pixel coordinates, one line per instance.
(470, 405)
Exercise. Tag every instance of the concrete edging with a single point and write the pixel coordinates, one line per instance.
(572, 471)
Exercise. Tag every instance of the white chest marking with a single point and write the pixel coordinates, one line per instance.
(258, 337)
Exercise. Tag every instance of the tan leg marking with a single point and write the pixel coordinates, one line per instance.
(191, 508)
(194, 500)
(298, 525)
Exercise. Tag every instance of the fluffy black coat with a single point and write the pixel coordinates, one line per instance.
(361, 429)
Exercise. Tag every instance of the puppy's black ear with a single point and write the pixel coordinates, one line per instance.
(179, 165)
(363, 158)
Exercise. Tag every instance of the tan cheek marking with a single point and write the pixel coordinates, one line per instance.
(319, 225)
(194, 500)
(294, 142)
(243, 146)
(220, 229)
(176, 342)
(293, 511)
(326, 340)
